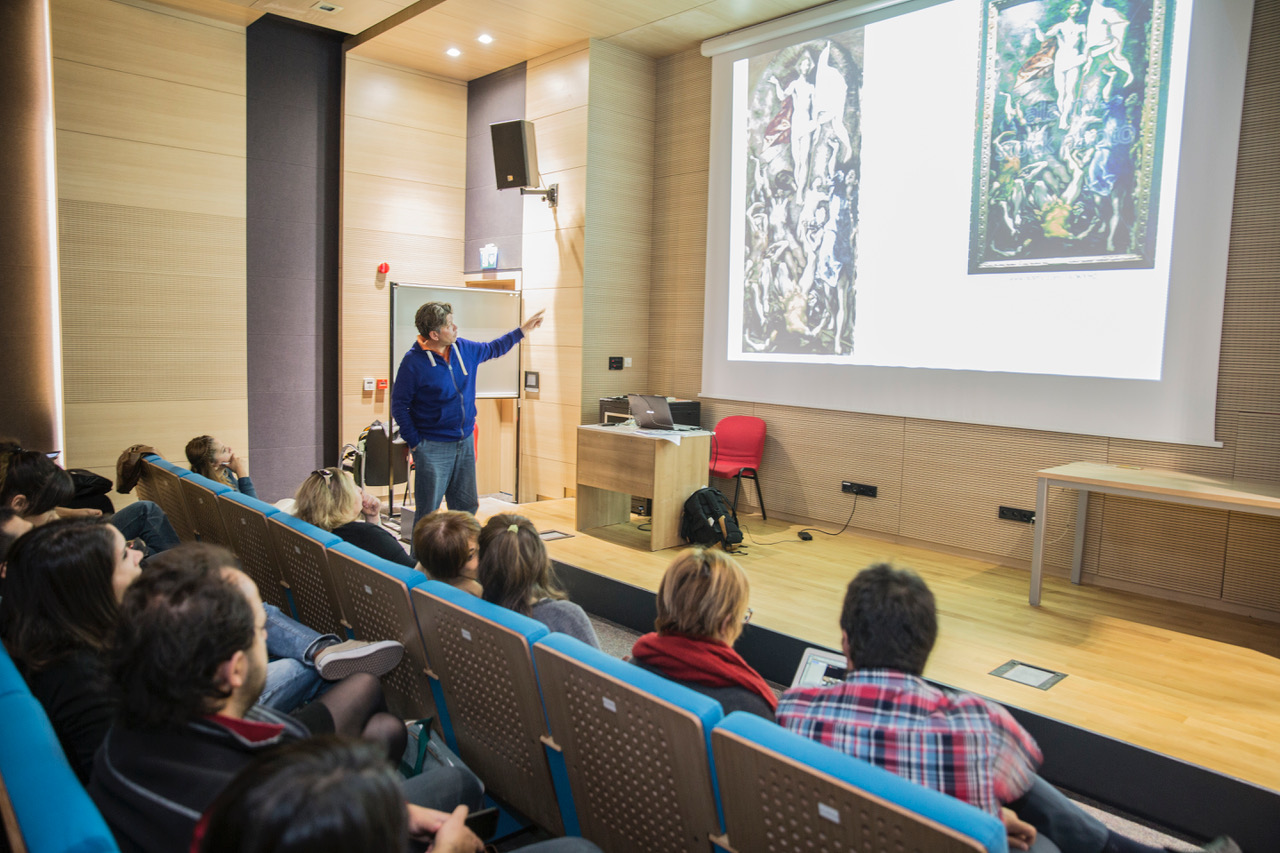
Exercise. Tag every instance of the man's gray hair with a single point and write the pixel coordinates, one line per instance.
(431, 317)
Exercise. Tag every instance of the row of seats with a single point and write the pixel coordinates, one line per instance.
(577, 741)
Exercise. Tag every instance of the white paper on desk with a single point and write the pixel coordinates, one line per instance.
(669, 435)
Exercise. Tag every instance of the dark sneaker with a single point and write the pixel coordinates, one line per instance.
(336, 662)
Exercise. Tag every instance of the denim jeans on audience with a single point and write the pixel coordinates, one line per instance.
(146, 521)
(445, 470)
(1070, 827)
(292, 679)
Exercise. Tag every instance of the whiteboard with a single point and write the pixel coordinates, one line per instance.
(481, 315)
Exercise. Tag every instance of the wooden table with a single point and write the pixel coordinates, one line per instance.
(1134, 482)
(615, 463)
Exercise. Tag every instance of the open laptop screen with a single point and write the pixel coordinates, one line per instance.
(650, 412)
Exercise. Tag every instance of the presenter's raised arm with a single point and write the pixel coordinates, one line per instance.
(533, 322)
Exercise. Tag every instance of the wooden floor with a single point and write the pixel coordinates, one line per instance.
(1196, 684)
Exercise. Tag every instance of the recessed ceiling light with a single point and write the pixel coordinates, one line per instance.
(453, 51)
(485, 38)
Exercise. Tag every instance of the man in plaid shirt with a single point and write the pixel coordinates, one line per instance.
(885, 713)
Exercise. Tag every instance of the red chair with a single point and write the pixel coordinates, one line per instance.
(736, 452)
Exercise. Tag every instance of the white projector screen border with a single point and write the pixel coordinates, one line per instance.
(1180, 407)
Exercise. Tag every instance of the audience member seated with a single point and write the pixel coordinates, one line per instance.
(702, 610)
(333, 795)
(964, 745)
(317, 795)
(38, 489)
(448, 547)
(516, 572)
(330, 499)
(58, 616)
(210, 458)
(59, 640)
(188, 662)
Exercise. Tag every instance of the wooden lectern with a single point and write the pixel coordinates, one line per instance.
(617, 462)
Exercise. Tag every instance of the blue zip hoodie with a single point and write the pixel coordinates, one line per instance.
(434, 399)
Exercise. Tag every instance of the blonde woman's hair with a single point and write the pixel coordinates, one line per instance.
(515, 569)
(200, 451)
(701, 593)
(328, 498)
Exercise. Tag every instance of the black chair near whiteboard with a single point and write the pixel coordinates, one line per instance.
(380, 458)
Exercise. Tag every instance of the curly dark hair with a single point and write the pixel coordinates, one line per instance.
(325, 794)
(890, 618)
(179, 622)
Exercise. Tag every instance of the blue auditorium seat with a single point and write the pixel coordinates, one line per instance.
(54, 814)
(781, 791)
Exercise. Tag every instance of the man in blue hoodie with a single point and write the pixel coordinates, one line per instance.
(434, 402)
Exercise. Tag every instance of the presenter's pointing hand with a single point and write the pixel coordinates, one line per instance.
(533, 322)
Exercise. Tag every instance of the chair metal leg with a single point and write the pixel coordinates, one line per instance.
(737, 479)
(755, 475)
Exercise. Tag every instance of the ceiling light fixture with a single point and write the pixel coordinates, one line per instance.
(485, 38)
(453, 51)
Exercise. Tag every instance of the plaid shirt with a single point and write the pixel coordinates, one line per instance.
(954, 742)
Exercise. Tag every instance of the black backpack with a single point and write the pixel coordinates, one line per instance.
(709, 520)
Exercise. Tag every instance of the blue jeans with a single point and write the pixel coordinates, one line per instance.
(292, 680)
(146, 521)
(1055, 817)
(445, 470)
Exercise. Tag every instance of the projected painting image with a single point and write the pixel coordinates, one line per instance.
(1066, 171)
(803, 141)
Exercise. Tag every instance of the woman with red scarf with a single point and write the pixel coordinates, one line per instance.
(702, 609)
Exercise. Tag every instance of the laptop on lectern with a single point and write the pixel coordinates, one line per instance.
(650, 412)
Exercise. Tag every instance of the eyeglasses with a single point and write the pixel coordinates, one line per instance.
(324, 472)
(746, 619)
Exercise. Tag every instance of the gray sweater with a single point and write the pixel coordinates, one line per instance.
(566, 618)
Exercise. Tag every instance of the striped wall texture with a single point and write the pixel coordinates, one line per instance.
(940, 483)
(150, 112)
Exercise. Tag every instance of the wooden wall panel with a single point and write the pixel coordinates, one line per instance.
(682, 130)
(150, 110)
(123, 105)
(1252, 573)
(1166, 546)
(554, 259)
(559, 369)
(156, 177)
(107, 428)
(955, 476)
(554, 251)
(404, 191)
(395, 95)
(174, 47)
(1257, 455)
(618, 258)
(403, 153)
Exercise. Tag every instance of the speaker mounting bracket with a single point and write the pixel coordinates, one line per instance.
(551, 195)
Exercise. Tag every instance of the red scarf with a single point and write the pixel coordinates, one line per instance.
(710, 663)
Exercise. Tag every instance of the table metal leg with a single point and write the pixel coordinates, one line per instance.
(1037, 549)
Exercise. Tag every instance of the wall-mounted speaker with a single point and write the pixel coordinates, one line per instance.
(515, 154)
